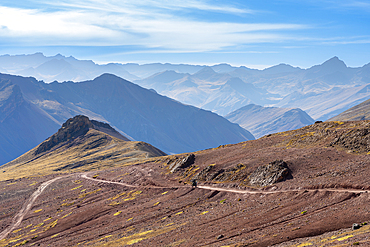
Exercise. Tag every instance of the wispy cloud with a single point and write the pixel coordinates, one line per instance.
(344, 4)
(124, 5)
(358, 4)
(143, 23)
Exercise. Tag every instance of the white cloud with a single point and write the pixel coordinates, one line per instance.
(358, 4)
(131, 6)
(114, 22)
(32, 24)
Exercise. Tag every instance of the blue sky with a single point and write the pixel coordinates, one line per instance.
(256, 34)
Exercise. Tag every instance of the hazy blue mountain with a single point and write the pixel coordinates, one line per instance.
(212, 88)
(58, 68)
(358, 112)
(22, 125)
(234, 94)
(314, 90)
(324, 105)
(207, 89)
(136, 112)
(284, 79)
(280, 69)
(223, 68)
(146, 70)
(261, 120)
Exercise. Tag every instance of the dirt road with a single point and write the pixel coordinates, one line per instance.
(228, 189)
(28, 204)
(26, 207)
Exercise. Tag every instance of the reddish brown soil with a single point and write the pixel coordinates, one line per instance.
(327, 192)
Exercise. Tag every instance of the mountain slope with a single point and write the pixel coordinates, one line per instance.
(261, 120)
(79, 145)
(305, 187)
(148, 116)
(358, 112)
(324, 105)
(218, 92)
(206, 86)
(139, 113)
(22, 125)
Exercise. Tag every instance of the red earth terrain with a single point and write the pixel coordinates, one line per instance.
(323, 189)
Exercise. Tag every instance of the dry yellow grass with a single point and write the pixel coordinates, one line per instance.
(82, 154)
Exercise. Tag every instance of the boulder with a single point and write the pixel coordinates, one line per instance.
(356, 226)
(180, 163)
(272, 173)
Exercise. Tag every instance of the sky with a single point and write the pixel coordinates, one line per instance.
(256, 34)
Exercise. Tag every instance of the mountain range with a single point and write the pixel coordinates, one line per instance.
(32, 110)
(207, 89)
(58, 68)
(322, 91)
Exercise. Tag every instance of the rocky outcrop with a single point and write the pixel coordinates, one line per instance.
(180, 163)
(269, 174)
(211, 173)
(73, 128)
(356, 140)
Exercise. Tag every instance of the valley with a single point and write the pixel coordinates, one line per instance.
(184, 123)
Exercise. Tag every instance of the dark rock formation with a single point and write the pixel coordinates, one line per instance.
(211, 173)
(269, 174)
(356, 140)
(356, 226)
(180, 163)
(74, 127)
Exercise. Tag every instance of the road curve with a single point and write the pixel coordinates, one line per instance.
(26, 207)
(84, 175)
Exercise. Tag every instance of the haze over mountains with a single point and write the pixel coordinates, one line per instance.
(31, 108)
(358, 112)
(322, 91)
(261, 120)
(58, 68)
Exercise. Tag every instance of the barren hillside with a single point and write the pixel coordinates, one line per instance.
(296, 188)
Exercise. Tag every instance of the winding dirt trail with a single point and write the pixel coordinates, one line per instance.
(227, 189)
(26, 207)
(28, 204)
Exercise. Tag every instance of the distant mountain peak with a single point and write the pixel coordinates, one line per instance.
(281, 68)
(205, 70)
(205, 73)
(334, 62)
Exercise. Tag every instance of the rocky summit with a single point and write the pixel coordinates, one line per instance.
(73, 128)
(70, 130)
(80, 144)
